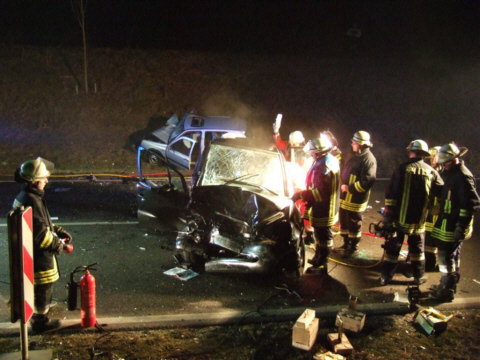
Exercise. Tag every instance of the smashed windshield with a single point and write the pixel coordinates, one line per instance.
(235, 166)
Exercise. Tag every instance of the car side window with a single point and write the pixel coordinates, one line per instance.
(212, 135)
(182, 146)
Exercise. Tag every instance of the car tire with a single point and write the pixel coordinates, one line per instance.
(295, 263)
(153, 158)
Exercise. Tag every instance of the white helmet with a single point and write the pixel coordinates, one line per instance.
(448, 152)
(362, 137)
(34, 170)
(418, 146)
(296, 138)
(319, 145)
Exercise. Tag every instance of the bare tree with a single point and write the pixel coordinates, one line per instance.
(79, 8)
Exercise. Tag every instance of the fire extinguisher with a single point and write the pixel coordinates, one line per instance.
(88, 308)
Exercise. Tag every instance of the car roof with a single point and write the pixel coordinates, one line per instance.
(196, 122)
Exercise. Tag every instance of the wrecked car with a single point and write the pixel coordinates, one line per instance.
(181, 142)
(239, 216)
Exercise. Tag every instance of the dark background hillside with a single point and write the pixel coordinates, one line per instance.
(413, 73)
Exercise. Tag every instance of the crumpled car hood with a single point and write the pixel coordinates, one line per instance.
(233, 204)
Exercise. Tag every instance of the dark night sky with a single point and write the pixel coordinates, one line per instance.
(390, 26)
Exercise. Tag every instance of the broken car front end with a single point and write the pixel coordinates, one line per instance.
(240, 217)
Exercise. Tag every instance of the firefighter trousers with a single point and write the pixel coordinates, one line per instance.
(416, 247)
(323, 244)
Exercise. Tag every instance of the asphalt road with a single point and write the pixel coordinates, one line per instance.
(133, 289)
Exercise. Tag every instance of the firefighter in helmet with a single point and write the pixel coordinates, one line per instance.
(49, 240)
(459, 200)
(406, 201)
(321, 196)
(357, 178)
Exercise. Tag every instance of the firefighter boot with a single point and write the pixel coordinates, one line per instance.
(318, 262)
(344, 247)
(352, 250)
(41, 323)
(445, 291)
(388, 270)
(318, 270)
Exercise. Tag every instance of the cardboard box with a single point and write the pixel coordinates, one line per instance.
(353, 321)
(340, 346)
(305, 319)
(432, 321)
(304, 338)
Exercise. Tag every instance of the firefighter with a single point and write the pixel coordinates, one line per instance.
(321, 197)
(406, 201)
(49, 240)
(431, 250)
(358, 175)
(459, 200)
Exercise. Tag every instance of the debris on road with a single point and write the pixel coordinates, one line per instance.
(180, 273)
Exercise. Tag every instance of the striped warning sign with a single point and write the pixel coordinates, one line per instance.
(27, 243)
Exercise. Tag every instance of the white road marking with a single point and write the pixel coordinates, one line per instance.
(92, 223)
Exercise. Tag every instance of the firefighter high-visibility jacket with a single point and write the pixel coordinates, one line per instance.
(359, 173)
(322, 191)
(459, 200)
(408, 193)
(45, 241)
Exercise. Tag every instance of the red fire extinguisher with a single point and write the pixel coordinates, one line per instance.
(88, 301)
(88, 306)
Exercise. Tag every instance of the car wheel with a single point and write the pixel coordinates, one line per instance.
(153, 158)
(295, 263)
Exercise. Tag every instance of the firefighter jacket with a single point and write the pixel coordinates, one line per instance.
(459, 200)
(322, 191)
(408, 193)
(359, 173)
(45, 241)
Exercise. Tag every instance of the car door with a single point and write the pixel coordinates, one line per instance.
(183, 152)
(161, 199)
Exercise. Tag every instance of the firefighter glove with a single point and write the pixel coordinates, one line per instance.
(276, 128)
(64, 235)
(297, 196)
(65, 246)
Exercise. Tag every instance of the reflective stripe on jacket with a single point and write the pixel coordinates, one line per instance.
(359, 173)
(408, 193)
(458, 202)
(45, 241)
(322, 192)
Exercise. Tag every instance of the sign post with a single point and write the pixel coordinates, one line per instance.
(20, 246)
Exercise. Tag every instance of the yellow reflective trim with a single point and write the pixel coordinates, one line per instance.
(47, 240)
(359, 187)
(316, 195)
(352, 179)
(417, 257)
(353, 207)
(406, 193)
(390, 202)
(334, 196)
